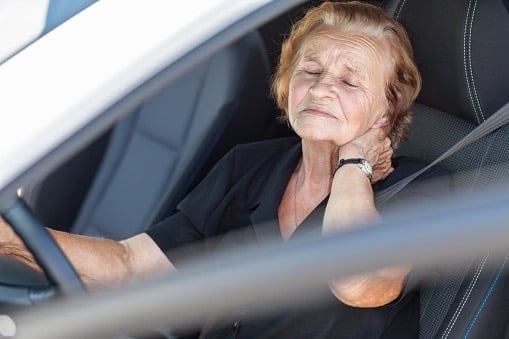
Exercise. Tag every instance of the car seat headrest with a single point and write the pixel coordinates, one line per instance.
(462, 50)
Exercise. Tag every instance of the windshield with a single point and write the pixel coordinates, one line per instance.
(26, 21)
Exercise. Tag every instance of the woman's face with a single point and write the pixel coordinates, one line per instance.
(337, 90)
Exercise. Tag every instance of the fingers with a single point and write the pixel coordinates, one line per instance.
(367, 145)
(381, 175)
(382, 153)
(385, 157)
(374, 146)
(379, 153)
(381, 122)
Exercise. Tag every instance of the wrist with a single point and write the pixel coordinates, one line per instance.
(361, 163)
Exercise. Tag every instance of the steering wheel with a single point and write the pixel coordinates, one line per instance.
(55, 265)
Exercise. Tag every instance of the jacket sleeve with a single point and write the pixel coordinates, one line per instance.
(187, 225)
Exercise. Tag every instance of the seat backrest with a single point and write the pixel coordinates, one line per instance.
(462, 50)
(154, 155)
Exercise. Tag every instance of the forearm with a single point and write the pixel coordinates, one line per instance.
(351, 202)
(99, 262)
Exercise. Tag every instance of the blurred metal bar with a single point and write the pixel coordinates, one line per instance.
(271, 277)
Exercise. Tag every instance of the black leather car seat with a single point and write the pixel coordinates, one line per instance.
(462, 50)
(154, 156)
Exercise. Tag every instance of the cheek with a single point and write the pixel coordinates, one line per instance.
(354, 105)
(364, 107)
(297, 91)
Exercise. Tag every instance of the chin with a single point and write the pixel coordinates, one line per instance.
(315, 135)
(319, 139)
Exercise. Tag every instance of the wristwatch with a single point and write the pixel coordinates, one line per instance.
(363, 164)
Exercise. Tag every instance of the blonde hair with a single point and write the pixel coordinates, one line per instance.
(404, 81)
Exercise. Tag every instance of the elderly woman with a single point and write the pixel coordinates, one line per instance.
(345, 82)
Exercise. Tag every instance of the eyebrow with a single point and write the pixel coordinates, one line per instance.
(355, 70)
(311, 54)
(350, 67)
(311, 57)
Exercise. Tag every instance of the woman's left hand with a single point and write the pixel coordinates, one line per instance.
(375, 147)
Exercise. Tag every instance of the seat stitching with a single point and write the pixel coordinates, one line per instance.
(485, 300)
(465, 59)
(465, 297)
(470, 61)
(400, 9)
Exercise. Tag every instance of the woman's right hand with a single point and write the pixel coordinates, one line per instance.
(383, 166)
(375, 147)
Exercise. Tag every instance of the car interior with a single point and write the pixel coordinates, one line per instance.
(461, 58)
(135, 174)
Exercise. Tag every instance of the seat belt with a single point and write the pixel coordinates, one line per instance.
(498, 119)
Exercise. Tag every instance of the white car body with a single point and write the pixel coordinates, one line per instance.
(48, 96)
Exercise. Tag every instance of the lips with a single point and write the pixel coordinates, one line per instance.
(319, 110)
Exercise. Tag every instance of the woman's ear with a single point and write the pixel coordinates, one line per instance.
(381, 122)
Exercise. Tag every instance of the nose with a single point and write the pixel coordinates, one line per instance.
(324, 86)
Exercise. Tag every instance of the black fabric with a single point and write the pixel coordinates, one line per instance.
(244, 191)
(330, 320)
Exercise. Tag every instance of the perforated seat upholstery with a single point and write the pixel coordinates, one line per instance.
(462, 50)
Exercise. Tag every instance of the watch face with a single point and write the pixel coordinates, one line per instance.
(366, 167)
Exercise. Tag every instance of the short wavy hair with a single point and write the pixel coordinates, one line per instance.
(403, 83)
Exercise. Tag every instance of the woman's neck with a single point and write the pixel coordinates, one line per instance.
(318, 161)
(309, 184)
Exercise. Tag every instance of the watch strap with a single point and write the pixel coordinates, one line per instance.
(356, 161)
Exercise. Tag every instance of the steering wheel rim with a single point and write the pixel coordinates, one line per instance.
(20, 284)
(50, 257)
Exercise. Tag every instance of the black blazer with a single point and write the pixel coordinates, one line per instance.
(237, 202)
(244, 190)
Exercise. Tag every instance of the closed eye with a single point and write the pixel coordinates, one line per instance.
(313, 72)
(350, 83)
